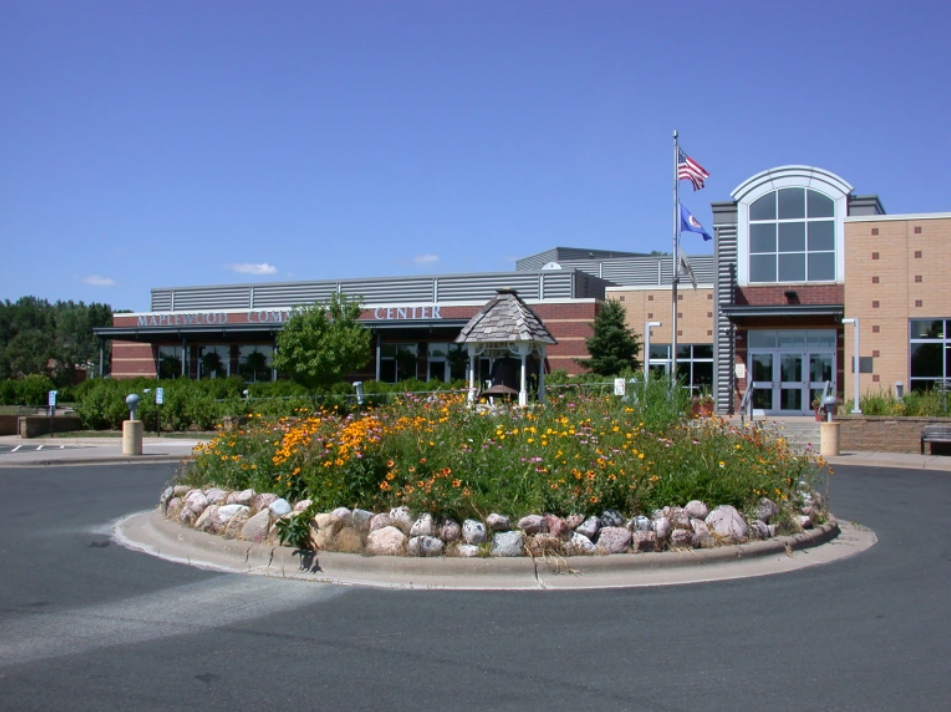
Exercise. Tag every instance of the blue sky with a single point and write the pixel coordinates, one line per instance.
(188, 142)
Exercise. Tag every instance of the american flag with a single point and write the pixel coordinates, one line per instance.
(689, 169)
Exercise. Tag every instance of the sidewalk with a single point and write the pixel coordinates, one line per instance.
(19, 452)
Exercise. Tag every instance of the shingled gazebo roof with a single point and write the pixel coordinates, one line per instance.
(505, 319)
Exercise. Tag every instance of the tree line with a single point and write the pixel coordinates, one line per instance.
(54, 340)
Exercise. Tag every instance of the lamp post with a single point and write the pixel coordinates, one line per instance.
(855, 364)
(647, 347)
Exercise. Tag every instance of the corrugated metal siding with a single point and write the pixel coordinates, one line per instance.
(649, 271)
(534, 263)
(724, 290)
(268, 296)
(477, 287)
(162, 300)
(548, 284)
(199, 298)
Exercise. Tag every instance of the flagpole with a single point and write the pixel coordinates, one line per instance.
(674, 273)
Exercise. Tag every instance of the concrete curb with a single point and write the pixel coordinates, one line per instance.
(151, 533)
(71, 461)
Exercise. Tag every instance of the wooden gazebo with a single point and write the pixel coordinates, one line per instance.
(505, 328)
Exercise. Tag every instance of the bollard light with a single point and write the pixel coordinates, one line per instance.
(132, 401)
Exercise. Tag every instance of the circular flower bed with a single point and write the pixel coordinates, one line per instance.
(433, 476)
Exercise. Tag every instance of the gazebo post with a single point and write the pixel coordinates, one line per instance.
(541, 373)
(472, 386)
(522, 384)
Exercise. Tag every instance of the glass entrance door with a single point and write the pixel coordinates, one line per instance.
(789, 369)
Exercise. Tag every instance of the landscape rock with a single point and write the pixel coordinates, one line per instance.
(681, 539)
(232, 528)
(181, 490)
(196, 501)
(473, 532)
(612, 518)
(511, 543)
(759, 529)
(244, 497)
(255, 529)
(302, 505)
(216, 495)
(388, 541)
(165, 498)
(279, 507)
(467, 551)
(262, 501)
(498, 522)
(342, 515)
(662, 528)
(323, 520)
(679, 519)
(697, 509)
(208, 520)
(766, 509)
(349, 540)
(573, 520)
(227, 511)
(641, 524)
(701, 534)
(360, 519)
(728, 524)
(402, 519)
(532, 524)
(425, 546)
(174, 509)
(423, 526)
(450, 531)
(644, 542)
(614, 539)
(579, 545)
(321, 540)
(805, 521)
(557, 526)
(589, 528)
(380, 521)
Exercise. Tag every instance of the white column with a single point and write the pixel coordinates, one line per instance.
(522, 385)
(541, 373)
(472, 386)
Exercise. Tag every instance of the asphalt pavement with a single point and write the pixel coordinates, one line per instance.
(86, 624)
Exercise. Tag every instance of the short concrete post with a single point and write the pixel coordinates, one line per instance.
(132, 429)
(132, 437)
(829, 439)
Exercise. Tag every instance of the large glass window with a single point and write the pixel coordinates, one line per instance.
(446, 362)
(694, 364)
(254, 363)
(214, 361)
(169, 361)
(398, 362)
(792, 237)
(930, 353)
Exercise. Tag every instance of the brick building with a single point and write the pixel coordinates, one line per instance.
(795, 253)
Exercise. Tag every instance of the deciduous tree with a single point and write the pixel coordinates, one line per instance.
(321, 343)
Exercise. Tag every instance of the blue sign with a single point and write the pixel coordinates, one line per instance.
(159, 396)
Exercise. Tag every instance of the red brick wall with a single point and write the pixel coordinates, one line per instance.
(774, 295)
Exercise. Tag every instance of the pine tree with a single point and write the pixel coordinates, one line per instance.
(613, 347)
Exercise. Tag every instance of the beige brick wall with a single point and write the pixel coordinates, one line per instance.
(695, 312)
(893, 274)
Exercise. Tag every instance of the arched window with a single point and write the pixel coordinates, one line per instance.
(792, 237)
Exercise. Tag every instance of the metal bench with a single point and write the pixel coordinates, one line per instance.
(935, 434)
